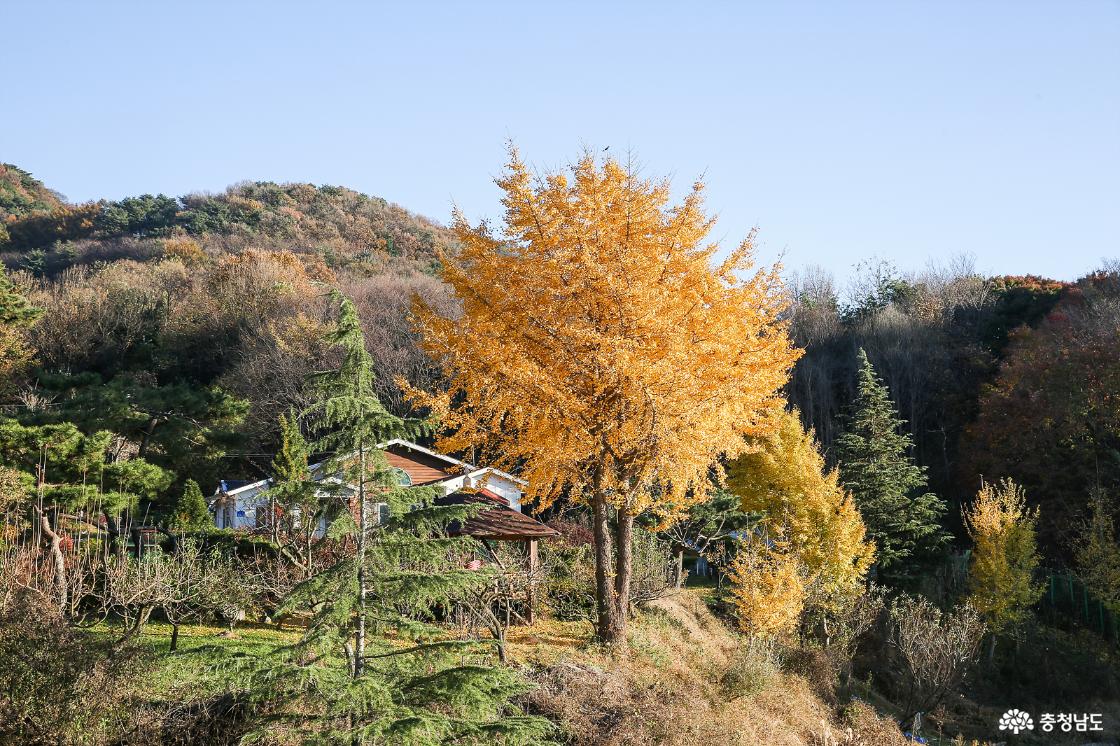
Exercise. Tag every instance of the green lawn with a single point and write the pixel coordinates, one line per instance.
(196, 668)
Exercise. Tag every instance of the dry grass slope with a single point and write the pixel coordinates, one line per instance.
(673, 687)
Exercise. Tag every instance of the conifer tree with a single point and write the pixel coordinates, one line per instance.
(289, 474)
(295, 504)
(1098, 553)
(889, 489)
(191, 512)
(16, 313)
(15, 309)
(371, 667)
(353, 421)
(290, 462)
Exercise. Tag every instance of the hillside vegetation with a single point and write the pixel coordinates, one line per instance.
(690, 679)
(22, 196)
(343, 226)
(679, 687)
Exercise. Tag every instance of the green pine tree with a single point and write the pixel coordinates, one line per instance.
(372, 667)
(290, 462)
(191, 512)
(902, 518)
(15, 309)
(16, 313)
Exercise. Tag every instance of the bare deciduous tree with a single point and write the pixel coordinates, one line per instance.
(932, 650)
(494, 606)
(383, 304)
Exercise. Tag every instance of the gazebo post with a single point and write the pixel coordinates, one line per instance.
(532, 545)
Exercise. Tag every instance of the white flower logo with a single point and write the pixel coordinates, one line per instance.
(1015, 721)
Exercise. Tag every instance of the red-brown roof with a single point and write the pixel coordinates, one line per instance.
(497, 521)
(421, 467)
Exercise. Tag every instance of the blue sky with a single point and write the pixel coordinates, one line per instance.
(842, 130)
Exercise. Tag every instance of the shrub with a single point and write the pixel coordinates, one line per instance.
(931, 650)
(845, 627)
(818, 669)
(869, 727)
(569, 589)
(751, 670)
(652, 567)
(59, 684)
(184, 249)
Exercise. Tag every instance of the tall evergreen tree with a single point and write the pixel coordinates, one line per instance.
(353, 421)
(396, 681)
(889, 488)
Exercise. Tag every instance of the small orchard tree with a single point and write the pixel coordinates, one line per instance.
(602, 352)
(1098, 553)
(784, 478)
(134, 587)
(875, 466)
(931, 650)
(1002, 583)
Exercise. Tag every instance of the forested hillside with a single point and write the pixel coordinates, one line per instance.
(345, 227)
(206, 306)
(994, 376)
(22, 196)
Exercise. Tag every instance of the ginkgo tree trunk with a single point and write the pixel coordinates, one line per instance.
(603, 352)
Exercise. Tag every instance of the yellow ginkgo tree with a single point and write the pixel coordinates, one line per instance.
(784, 478)
(1002, 583)
(604, 352)
(767, 587)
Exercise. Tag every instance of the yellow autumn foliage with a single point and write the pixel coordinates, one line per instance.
(784, 478)
(767, 587)
(1002, 586)
(600, 348)
(185, 249)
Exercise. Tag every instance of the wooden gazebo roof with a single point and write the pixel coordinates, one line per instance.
(497, 520)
